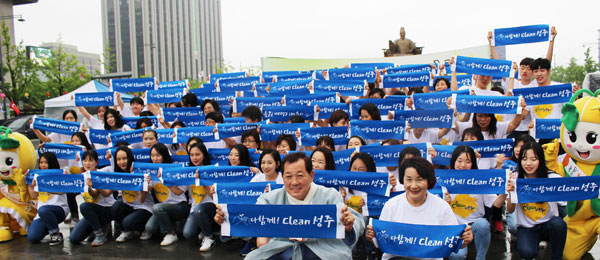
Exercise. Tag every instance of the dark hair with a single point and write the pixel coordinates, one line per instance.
(84, 141)
(211, 101)
(130, 158)
(337, 116)
(362, 141)
(399, 93)
(189, 100)
(294, 157)
(540, 63)
(497, 89)
(146, 113)
(254, 133)
(244, 155)
(413, 90)
(137, 100)
(69, 111)
(376, 91)
(289, 139)
(371, 109)
(163, 151)
(296, 119)
(526, 62)
(390, 141)
(423, 167)
(329, 160)
(51, 159)
(121, 143)
(491, 129)
(525, 138)
(215, 116)
(327, 141)
(273, 154)
(193, 138)
(438, 79)
(92, 154)
(105, 108)
(150, 131)
(406, 151)
(464, 149)
(366, 158)
(542, 171)
(252, 112)
(177, 123)
(143, 120)
(473, 132)
(205, 155)
(118, 119)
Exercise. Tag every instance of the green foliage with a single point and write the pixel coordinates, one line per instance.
(63, 72)
(574, 72)
(108, 61)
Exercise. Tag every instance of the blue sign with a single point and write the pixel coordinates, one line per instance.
(296, 87)
(370, 182)
(237, 84)
(242, 103)
(327, 108)
(489, 148)
(388, 155)
(480, 66)
(296, 77)
(426, 118)
(55, 125)
(413, 79)
(62, 151)
(233, 129)
(367, 74)
(99, 136)
(547, 128)
(171, 114)
(374, 65)
(239, 192)
(270, 132)
(344, 87)
(309, 99)
(443, 154)
(309, 136)
(94, 99)
(383, 104)
(170, 95)
(133, 85)
(545, 95)
(521, 34)
(409, 68)
(487, 104)
(231, 75)
(60, 183)
(283, 113)
(435, 100)
(557, 189)
(206, 133)
(473, 181)
(117, 181)
(372, 129)
(173, 84)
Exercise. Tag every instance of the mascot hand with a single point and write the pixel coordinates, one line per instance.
(551, 154)
(19, 177)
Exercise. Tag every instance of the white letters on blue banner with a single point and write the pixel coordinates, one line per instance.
(309, 136)
(373, 129)
(388, 155)
(296, 87)
(151, 168)
(133, 85)
(62, 151)
(132, 121)
(383, 104)
(231, 75)
(242, 103)
(342, 158)
(491, 181)
(283, 113)
(367, 74)
(170, 95)
(374, 65)
(413, 79)
(55, 126)
(480, 66)
(435, 100)
(344, 87)
(117, 181)
(218, 174)
(59, 183)
(33, 172)
(219, 155)
(489, 148)
(173, 113)
(487, 104)
(369, 182)
(462, 80)
(204, 132)
(270, 132)
(409, 68)
(94, 99)
(296, 77)
(547, 128)
(308, 99)
(557, 189)
(141, 154)
(231, 130)
(240, 192)
(173, 84)
(237, 84)
(99, 136)
(426, 118)
(131, 137)
(443, 154)
(522, 34)
(546, 95)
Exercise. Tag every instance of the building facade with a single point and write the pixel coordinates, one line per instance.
(91, 61)
(168, 39)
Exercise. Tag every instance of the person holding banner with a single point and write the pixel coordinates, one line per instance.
(52, 207)
(251, 139)
(537, 221)
(299, 189)
(269, 167)
(95, 209)
(68, 115)
(94, 122)
(322, 159)
(114, 121)
(285, 143)
(136, 106)
(417, 205)
(239, 156)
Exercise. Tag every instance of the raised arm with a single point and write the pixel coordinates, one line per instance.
(84, 112)
(551, 44)
(492, 48)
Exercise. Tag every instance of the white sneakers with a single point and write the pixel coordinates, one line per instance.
(125, 235)
(145, 235)
(207, 244)
(169, 239)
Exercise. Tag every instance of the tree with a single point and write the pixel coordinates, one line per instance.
(574, 72)
(108, 61)
(63, 72)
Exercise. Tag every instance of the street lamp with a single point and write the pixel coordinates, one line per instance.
(6, 17)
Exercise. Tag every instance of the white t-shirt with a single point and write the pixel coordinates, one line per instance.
(47, 199)
(435, 211)
(531, 214)
(199, 194)
(524, 126)
(501, 128)
(469, 207)
(165, 195)
(429, 135)
(549, 111)
(132, 198)
(95, 123)
(261, 177)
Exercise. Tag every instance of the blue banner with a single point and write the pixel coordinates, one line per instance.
(223, 98)
(240, 192)
(181, 159)
(296, 87)
(205, 89)
(370, 182)
(423, 241)
(62, 151)
(521, 34)
(296, 77)
(219, 174)
(409, 68)
(375, 203)
(117, 181)
(426, 118)
(309, 136)
(231, 75)
(308, 99)
(219, 155)
(151, 168)
(435, 100)
(373, 129)
(99, 136)
(388, 155)
(342, 158)
(302, 221)
(270, 132)
(480, 66)
(374, 65)
(32, 172)
(545, 95)
(462, 80)
(94, 99)
(171, 114)
(443, 154)
(557, 189)
(491, 181)
(242, 103)
(165, 136)
(344, 87)
(231, 130)
(238, 84)
(383, 104)
(131, 136)
(413, 79)
(179, 176)
(268, 75)
(102, 161)
(235, 120)
(191, 121)
(173, 84)
(171, 95)
(487, 104)
(283, 113)
(141, 154)
(489, 148)
(55, 125)
(367, 74)
(133, 85)
(547, 128)
(327, 108)
(60, 183)
(132, 121)
(206, 133)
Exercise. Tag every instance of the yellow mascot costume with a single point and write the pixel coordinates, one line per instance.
(17, 155)
(579, 138)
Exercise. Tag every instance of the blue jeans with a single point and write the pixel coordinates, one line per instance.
(511, 222)
(481, 237)
(203, 218)
(164, 216)
(130, 219)
(94, 216)
(553, 231)
(49, 217)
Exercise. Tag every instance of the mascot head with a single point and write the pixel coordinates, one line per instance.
(16, 151)
(581, 126)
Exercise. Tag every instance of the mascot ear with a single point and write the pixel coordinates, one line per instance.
(570, 116)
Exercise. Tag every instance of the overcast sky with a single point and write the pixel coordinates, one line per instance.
(341, 28)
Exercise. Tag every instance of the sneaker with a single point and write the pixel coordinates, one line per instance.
(248, 247)
(207, 244)
(200, 236)
(224, 239)
(498, 226)
(90, 238)
(168, 240)
(125, 235)
(99, 240)
(56, 239)
(145, 235)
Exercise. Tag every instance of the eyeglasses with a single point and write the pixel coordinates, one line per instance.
(248, 141)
